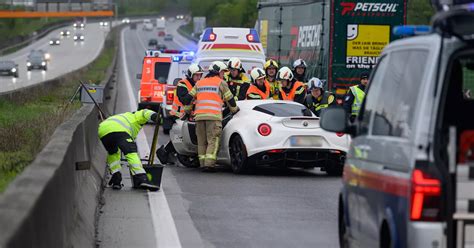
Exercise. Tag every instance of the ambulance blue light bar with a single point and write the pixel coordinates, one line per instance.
(177, 58)
(209, 35)
(253, 36)
(411, 30)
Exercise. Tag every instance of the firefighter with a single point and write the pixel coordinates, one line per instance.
(271, 69)
(290, 88)
(236, 79)
(318, 99)
(299, 71)
(193, 74)
(210, 94)
(118, 134)
(260, 88)
(355, 96)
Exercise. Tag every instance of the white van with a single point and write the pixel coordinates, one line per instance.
(224, 43)
(147, 25)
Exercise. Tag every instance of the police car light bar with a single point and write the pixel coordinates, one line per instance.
(410, 30)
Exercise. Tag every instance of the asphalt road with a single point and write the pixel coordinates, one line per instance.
(270, 208)
(65, 58)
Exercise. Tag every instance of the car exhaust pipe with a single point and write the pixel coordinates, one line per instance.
(265, 157)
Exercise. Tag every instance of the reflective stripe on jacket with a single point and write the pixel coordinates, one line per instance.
(291, 95)
(274, 86)
(128, 122)
(236, 84)
(255, 93)
(359, 96)
(177, 108)
(208, 97)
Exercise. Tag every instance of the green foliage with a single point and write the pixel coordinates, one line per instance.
(232, 13)
(419, 12)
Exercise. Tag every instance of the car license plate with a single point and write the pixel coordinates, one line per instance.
(306, 141)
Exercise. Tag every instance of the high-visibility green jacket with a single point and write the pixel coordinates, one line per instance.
(359, 96)
(129, 122)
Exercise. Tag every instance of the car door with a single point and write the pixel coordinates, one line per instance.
(359, 153)
(386, 172)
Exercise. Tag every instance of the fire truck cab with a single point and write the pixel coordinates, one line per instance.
(155, 70)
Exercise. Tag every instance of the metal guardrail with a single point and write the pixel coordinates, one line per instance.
(54, 202)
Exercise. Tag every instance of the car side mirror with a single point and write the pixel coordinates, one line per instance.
(176, 81)
(334, 119)
(139, 76)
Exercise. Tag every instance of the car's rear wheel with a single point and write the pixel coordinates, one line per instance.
(188, 161)
(238, 155)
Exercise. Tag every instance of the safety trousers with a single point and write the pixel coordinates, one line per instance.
(118, 142)
(208, 136)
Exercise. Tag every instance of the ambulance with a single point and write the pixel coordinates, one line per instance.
(224, 43)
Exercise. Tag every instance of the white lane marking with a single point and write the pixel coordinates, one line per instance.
(131, 97)
(141, 41)
(166, 234)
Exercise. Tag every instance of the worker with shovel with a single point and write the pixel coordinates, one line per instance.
(118, 134)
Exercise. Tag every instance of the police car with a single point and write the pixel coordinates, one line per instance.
(224, 43)
(409, 173)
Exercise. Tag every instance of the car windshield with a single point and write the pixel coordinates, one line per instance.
(36, 58)
(281, 109)
(161, 71)
(7, 64)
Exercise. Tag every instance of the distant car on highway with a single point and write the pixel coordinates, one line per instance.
(65, 32)
(147, 25)
(79, 37)
(36, 61)
(40, 52)
(133, 26)
(54, 41)
(125, 20)
(152, 42)
(104, 23)
(180, 17)
(9, 68)
(161, 33)
(161, 47)
(168, 37)
(79, 24)
(267, 132)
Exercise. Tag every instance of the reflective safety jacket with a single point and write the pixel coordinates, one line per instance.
(274, 86)
(210, 94)
(254, 93)
(177, 109)
(359, 96)
(322, 102)
(296, 89)
(238, 86)
(129, 122)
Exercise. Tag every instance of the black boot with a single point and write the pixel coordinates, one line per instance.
(162, 155)
(140, 181)
(116, 180)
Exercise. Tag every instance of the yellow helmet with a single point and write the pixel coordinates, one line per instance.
(269, 63)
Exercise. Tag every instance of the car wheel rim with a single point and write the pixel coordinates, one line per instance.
(237, 154)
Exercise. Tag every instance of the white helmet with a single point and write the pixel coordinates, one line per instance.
(217, 66)
(193, 69)
(234, 63)
(315, 83)
(257, 73)
(299, 62)
(285, 74)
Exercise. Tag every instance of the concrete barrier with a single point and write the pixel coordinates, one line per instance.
(54, 202)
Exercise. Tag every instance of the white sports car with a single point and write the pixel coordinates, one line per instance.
(268, 132)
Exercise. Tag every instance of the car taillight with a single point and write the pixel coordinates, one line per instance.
(340, 134)
(169, 97)
(276, 151)
(425, 197)
(264, 129)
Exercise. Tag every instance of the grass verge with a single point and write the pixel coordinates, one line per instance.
(28, 119)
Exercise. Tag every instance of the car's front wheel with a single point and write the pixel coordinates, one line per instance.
(238, 155)
(188, 161)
